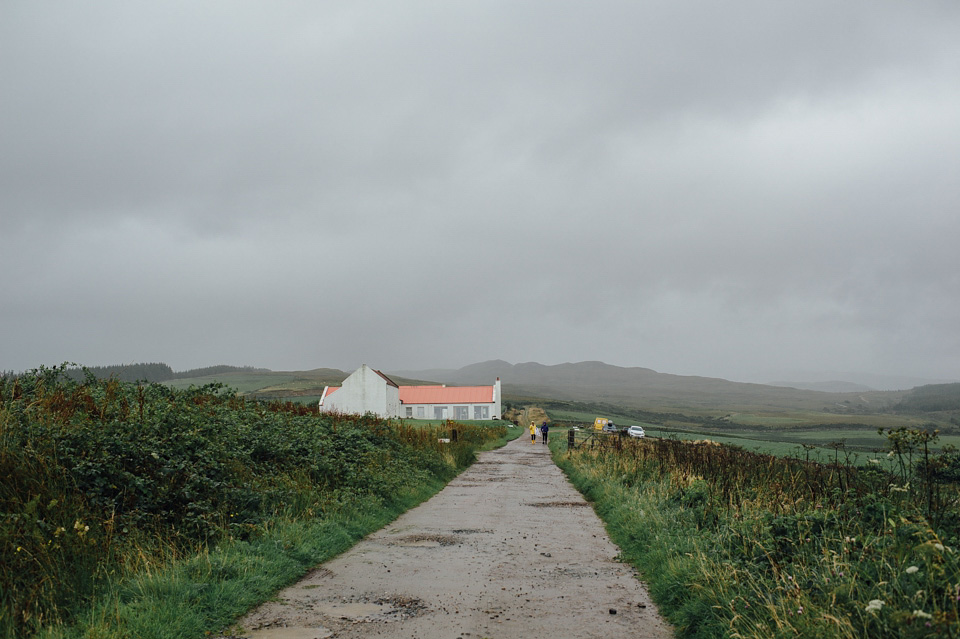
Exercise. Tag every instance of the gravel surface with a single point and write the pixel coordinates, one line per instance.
(507, 549)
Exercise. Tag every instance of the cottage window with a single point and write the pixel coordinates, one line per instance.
(440, 412)
(481, 412)
(421, 412)
(461, 412)
(409, 411)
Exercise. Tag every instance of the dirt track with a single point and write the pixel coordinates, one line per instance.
(508, 549)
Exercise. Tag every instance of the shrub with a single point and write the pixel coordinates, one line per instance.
(747, 545)
(102, 477)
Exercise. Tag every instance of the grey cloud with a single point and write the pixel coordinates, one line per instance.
(697, 188)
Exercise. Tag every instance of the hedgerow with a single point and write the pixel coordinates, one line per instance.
(740, 544)
(101, 478)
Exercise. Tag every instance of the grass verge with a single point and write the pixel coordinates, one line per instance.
(737, 544)
(131, 510)
(207, 592)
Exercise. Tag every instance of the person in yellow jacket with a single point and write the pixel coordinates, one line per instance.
(533, 433)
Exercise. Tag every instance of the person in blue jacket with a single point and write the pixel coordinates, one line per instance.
(544, 430)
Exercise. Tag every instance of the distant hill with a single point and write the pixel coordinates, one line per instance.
(593, 381)
(153, 372)
(866, 381)
(305, 386)
(931, 398)
(833, 386)
(589, 382)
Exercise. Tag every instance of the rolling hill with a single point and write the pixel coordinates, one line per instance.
(645, 388)
(601, 384)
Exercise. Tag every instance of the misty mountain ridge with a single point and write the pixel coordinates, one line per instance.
(823, 380)
(593, 381)
(832, 386)
(588, 382)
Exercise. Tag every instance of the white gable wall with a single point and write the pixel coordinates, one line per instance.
(364, 391)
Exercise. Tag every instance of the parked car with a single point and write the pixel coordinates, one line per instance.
(636, 431)
(609, 427)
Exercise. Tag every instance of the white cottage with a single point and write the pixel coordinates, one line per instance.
(369, 391)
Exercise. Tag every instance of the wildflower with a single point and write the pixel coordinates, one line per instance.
(800, 610)
(19, 548)
(912, 569)
(875, 605)
(874, 461)
(939, 547)
(922, 615)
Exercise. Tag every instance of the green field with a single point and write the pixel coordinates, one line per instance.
(782, 435)
(735, 544)
(137, 510)
(242, 382)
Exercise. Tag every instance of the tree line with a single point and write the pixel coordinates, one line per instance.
(146, 372)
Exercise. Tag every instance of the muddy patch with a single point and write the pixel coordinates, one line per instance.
(365, 609)
(558, 504)
(472, 531)
(318, 573)
(326, 618)
(425, 541)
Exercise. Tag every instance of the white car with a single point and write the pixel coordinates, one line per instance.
(636, 431)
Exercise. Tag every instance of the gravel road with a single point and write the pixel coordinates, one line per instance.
(508, 549)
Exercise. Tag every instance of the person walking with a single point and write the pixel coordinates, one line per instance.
(544, 431)
(533, 433)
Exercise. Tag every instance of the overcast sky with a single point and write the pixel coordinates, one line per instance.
(731, 189)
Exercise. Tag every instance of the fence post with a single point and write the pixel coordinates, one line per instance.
(571, 439)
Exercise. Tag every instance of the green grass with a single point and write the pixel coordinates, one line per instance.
(783, 436)
(737, 544)
(113, 492)
(587, 418)
(209, 591)
(243, 382)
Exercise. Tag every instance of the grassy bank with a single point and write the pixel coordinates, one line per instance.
(739, 544)
(143, 511)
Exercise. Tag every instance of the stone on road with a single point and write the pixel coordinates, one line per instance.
(508, 549)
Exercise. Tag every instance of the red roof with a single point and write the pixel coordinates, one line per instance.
(439, 394)
(446, 394)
